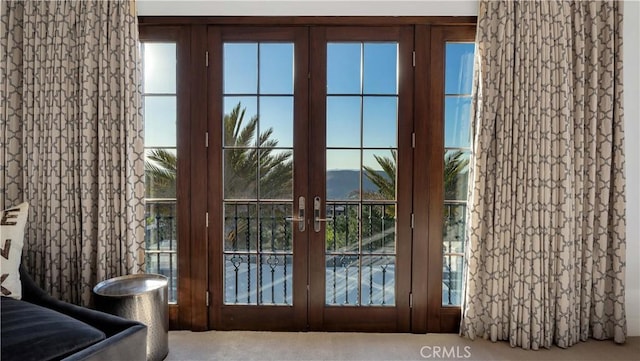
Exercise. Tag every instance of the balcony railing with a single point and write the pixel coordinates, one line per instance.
(360, 254)
(258, 253)
(375, 275)
(453, 252)
(161, 241)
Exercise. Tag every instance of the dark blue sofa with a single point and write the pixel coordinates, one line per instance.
(39, 327)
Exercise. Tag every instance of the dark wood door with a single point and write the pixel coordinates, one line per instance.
(360, 164)
(258, 177)
(310, 178)
(355, 272)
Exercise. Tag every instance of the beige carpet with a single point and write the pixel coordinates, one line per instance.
(246, 346)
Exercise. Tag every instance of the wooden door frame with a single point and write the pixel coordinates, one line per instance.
(368, 318)
(194, 270)
(259, 317)
(429, 315)
(180, 313)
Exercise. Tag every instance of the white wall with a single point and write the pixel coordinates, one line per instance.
(461, 8)
(632, 131)
(307, 7)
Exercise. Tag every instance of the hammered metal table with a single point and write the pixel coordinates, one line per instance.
(142, 298)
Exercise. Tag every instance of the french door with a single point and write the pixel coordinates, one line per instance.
(310, 168)
(360, 178)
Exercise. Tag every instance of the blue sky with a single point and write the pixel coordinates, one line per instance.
(361, 87)
(159, 70)
(458, 83)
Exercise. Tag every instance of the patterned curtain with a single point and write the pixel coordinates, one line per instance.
(72, 141)
(546, 251)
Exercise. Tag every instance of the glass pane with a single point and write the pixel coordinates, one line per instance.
(378, 280)
(160, 173)
(240, 279)
(276, 68)
(159, 66)
(258, 164)
(276, 174)
(379, 174)
(240, 121)
(342, 230)
(160, 117)
(159, 121)
(459, 68)
(161, 225)
(343, 68)
(380, 122)
(453, 228)
(343, 121)
(161, 242)
(452, 268)
(276, 118)
(343, 174)
(276, 232)
(240, 173)
(458, 83)
(342, 282)
(240, 227)
(240, 68)
(164, 263)
(378, 228)
(456, 174)
(457, 120)
(276, 281)
(380, 68)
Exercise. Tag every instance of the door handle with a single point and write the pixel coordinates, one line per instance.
(317, 205)
(300, 217)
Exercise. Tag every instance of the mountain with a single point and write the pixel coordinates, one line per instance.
(342, 183)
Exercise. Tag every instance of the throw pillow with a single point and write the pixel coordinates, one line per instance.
(12, 222)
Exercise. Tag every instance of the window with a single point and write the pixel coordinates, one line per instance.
(444, 73)
(257, 169)
(361, 146)
(457, 145)
(160, 113)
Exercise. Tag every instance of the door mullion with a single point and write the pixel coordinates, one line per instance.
(301, 174)
(214, 164)
(317, 164)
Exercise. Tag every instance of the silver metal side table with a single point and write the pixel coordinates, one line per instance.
(142, 298)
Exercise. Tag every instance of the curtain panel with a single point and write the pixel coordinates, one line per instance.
(72, 141)
(546, 234)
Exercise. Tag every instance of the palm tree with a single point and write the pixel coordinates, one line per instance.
(455, 164)
(243, 159)
(241, 163)
(386, 181)
(245, 164)
(160, 173)
(160, 170)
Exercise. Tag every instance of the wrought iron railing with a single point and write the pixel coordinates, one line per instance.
(258, 253)
(453, 252)
(359, 263)
(360, 253)
(161, 242)
(357, 272)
